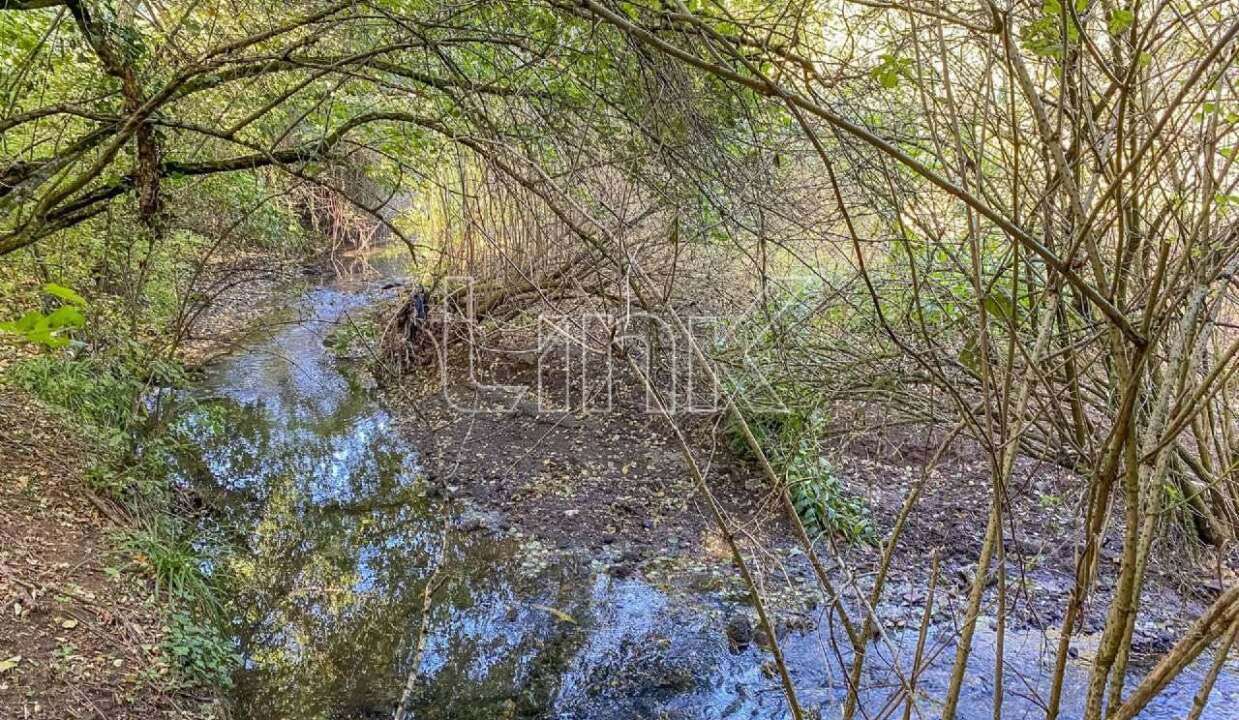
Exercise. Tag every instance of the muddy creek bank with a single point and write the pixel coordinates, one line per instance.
(325, 528)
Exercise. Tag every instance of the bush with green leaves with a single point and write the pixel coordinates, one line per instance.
(791, 441)
(202, 653)
(821, 501)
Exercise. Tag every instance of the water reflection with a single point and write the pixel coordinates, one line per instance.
(331, 533)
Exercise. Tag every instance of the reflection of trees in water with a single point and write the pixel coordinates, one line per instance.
(323, 594)
(334, 542)
(495, 650)
(240, 449)
(332, 603)
(230, 442)
(385, 261)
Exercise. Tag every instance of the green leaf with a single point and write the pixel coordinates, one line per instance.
(1000, 306)
(67, 316)
(970, 355)
(44, 336)
(45, 330)
(1119, 21)
(888, 72)
(65, 294)
(28, 322)
(1223, 200)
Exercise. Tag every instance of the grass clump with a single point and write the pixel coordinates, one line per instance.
(161, 548)
(99, 395)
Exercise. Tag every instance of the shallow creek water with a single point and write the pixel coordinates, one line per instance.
(331, 538)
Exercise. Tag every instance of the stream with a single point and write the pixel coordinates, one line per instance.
(323, 534)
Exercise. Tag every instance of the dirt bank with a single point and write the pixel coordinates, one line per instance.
(79, 636)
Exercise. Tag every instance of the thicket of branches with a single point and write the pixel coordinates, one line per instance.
(1016, 221)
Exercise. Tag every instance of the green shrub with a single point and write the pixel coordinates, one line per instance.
(820, 499)
(791, 441)
(202, 653)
